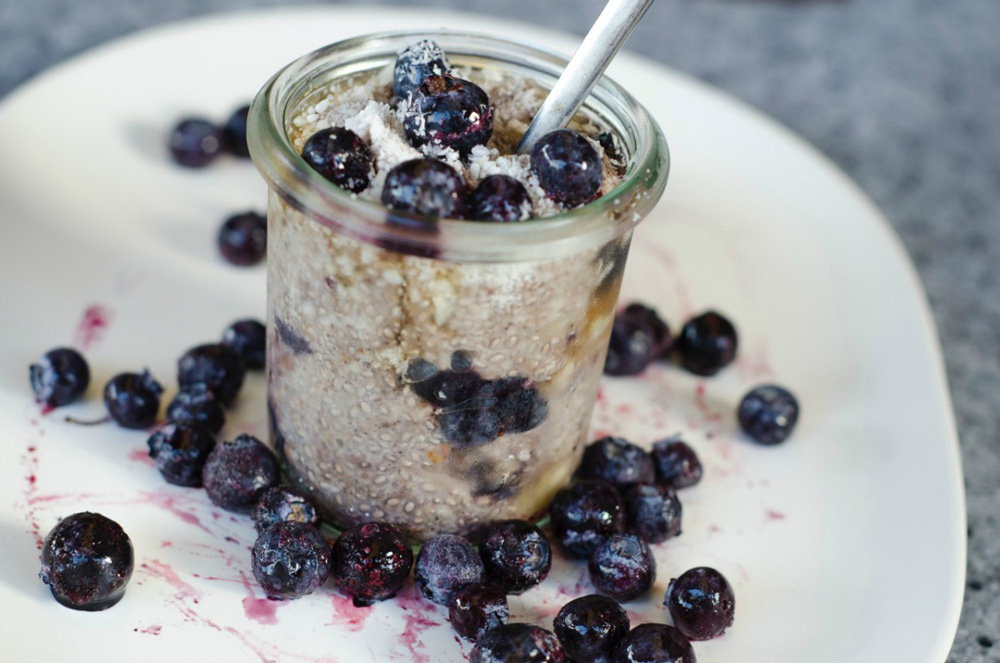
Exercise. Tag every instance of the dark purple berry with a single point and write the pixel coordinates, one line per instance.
(415, 63)
(444, 565)
(568, 167)
(196, 405)
(654, 512)
(234, 133)
(87, 561)
(59, 377)
(428, 187)
(707, 343)
(195, 142)
(590, 627)
(442, 388)
(371, 562)
(243, 239)
(290, 559)
(622, 567)
(449, 112)
(249, 339)
(654, 643)
(617, 461)
(516, 555)
(475, 609)
(180, 452)
(517, 643)
(280, 503)
(584, 514)
(219, 367)
(341, 156)
(500, 198)
(701, 603)
(676, 463)
(638, 338)
(237, 471)
(768, 414)
(133, 399)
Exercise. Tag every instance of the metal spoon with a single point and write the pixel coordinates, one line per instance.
(607, 35)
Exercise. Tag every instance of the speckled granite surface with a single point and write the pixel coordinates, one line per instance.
(903, 94)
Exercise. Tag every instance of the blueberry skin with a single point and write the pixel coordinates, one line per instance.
(448, 111)
(219, 367)
(590, 627)
(242, 239)
(180, 452)
(196, 405)
(87, 561)
(500, 198)
(617, 461)
(280, 503)
(768, 414)
(568, 167)
(516, 555)
(654, 512)
(59, 377)
(290, 560)
(622, 567)
(249, 338)
(195, 142)
(234, 133)
(707, 343)
(584, 514)
(371, 562)
(237, 471)
(415, 63)
(701, 603)
(341, 156)
(654, 643)
(475, 609)
(133, 399)
(428, 187)
(517, 643)
(446, 564)
(677, 465)
(638, 338)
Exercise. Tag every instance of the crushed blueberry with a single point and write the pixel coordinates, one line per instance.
(59, 377)
(638, 338)
(249, 339)
(280, 503)
(291, 337)
(568, 167)
(449, 112)
(617, 461)
(415, 63)
(87, 561)
(133, 399)
(707, 343)
(701, 603)
(654, 643)
(237, 471)
(444, 565)
(622, 567)
(290, 559)
(516, 555)
(517, 643)
(475, 609)
(180, 452)
(195, 142)
(500, 198)
(196, 405)
(768, 414)
(584, 514)
(341, 156)
(677, 464)
(371, 562)
(243, 239)
(654, 512)
(590, 627)
(428, 187)
(219, 367)
(234, 133)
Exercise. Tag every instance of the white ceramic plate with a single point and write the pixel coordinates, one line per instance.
(845, 544)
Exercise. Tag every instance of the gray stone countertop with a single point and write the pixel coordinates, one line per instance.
(904, 95)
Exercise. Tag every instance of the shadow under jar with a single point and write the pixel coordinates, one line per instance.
(437, 373)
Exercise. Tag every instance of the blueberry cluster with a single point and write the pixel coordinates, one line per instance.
(195, 142)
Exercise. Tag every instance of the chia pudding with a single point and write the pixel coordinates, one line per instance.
(438, 373)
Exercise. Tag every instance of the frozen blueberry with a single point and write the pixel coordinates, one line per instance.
(59, 377)
(219, 367)
(196, 404)
(234, 133)
(516, 555)
(290, 559)
(617, 461)
(584, 514)
(590, 627)
(654, 512)
(448, 112)
(371, 562)
(638, 338)
(243, 239)
(249, 339)
(87, 561)
(701, 603)
(341, 156)
(517, 643)
(133, 399)
(280, 503)
(707, 343)
(500, 198)
(768, 414)
(568, 167)
(195, 142)
(444, 565)
(622, 567)
(428, 187)
(180, 452)
(654, 643)
(415, 63)
(475, 609)
(676, 463)
(237, 471)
